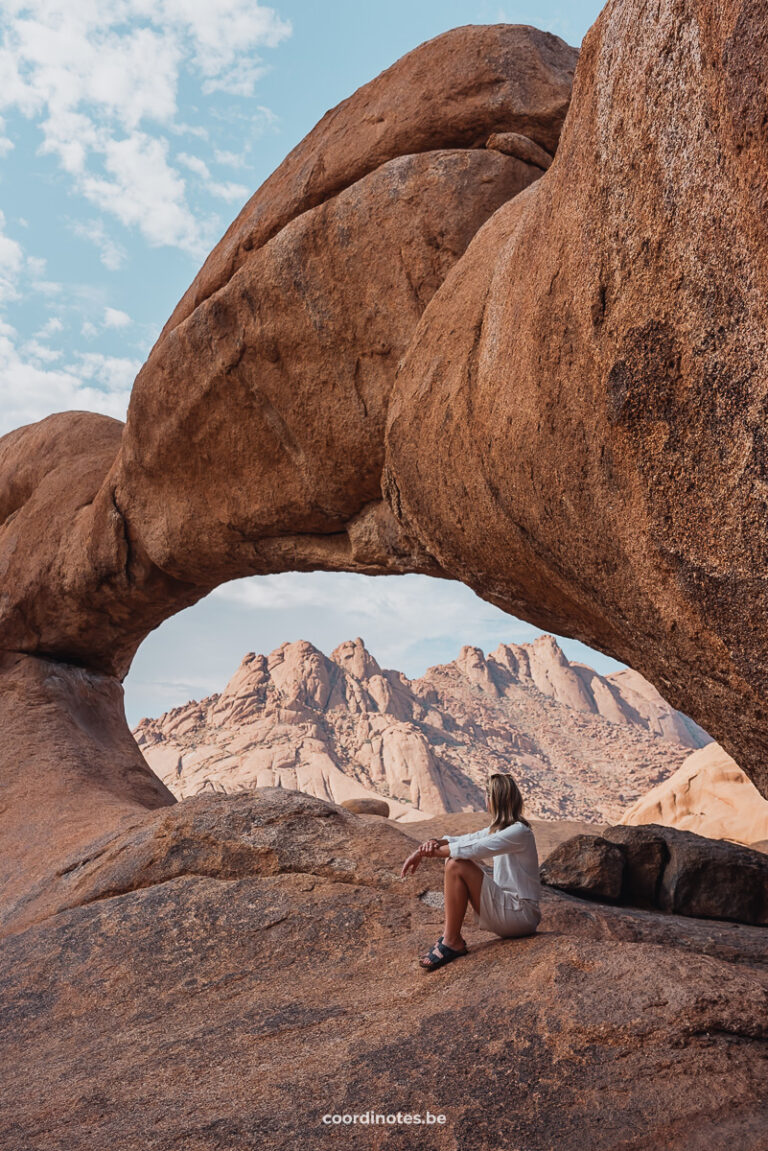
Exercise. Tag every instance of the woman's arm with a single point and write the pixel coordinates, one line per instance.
(430, 847)
(510, 839)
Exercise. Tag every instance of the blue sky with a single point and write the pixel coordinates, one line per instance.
(131, 134)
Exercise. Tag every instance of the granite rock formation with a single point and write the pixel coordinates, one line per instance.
(255, 435)
(553, 437)
(248, 964)
(710, 795)
(586, 865)
(581, 744)
(591, 379)
(576, 430)
(655, 866)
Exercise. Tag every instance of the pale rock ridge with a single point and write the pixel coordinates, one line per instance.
(709, 794)
(341, 727)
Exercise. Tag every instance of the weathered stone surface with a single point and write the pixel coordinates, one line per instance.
(302, 343)
(591, 379)
(710, 795)
(201, 1011)
(367, 807)
(76, 583)
(646, 854)
(69, 768)
(660, 866)
(586, 865)
(513, 144)
(255, 437)
(450, 92)
(583, 543)
(712, 878)
(341, 728)
(265, 832)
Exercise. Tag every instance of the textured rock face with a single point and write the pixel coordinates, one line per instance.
(302, 342)
(590, 381)
(586, 865)
(661, 867)
(554, 436)
(255, 436)
(184, 1012)
(341, 728)
(70, 768)
(710, 795)
(452, 92)
(367, 807)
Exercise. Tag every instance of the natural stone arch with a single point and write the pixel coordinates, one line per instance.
(255, 440)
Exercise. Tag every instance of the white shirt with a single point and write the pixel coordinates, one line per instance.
(515, 859)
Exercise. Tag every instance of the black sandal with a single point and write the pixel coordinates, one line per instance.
(440, 954)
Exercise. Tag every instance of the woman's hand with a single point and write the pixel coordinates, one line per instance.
(411, 863)
(429, 846)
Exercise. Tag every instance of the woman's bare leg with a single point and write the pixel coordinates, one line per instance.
(462, 884)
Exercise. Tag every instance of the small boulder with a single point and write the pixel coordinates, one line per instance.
(521, 147)
(586, 865)
(662, 867)
(367, 807)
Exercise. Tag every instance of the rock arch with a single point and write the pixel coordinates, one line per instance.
(413, 352)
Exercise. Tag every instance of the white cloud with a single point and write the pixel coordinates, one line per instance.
(36, 267)
(114, 318)
(230, 159)
(142, 190)
(50, 328)
(101, 76)
(229, 191)
(195, 164)
(113, 374)
(369, 605)
(40, 353)
(111, 254)
(32, 390)
(11, 263)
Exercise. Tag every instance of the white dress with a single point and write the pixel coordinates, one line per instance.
(510, 894)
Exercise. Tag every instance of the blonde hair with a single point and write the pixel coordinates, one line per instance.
(505, 802)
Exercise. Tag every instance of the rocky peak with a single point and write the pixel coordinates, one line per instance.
(355, 659)
(472, 664)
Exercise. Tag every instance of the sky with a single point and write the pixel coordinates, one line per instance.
(131, 134)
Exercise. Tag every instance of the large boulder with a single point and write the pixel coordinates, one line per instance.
(302, 343)
(452, 92)
(367, 807)
(589, 383)
(708, 794)
(662, 867)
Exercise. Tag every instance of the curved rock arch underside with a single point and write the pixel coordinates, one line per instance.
(424, 346)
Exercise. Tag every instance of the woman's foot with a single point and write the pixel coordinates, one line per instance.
(442, 953)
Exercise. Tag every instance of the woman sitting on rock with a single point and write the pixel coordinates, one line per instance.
(506, 900)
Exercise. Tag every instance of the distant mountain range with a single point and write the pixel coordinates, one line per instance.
(583, 746)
